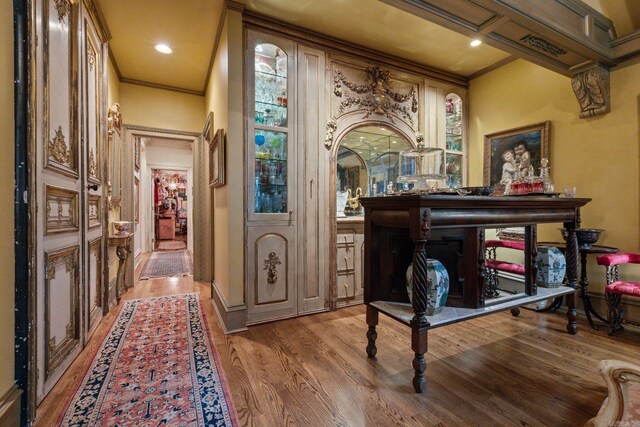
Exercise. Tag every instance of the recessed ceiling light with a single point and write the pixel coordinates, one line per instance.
(475, 43)
(163, 48)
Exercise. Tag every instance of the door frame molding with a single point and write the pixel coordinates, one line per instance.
(25, 207)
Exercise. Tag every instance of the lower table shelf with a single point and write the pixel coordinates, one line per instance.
(403, 312)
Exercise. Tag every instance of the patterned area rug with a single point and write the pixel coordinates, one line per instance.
(172, 245)
(157, 367)
(167, 264)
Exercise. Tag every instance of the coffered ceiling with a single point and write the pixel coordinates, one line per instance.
(190, 27)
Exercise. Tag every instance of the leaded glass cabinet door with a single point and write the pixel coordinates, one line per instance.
(271, 137)
(271, 174)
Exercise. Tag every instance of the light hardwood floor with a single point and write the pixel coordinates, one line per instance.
(313, 370)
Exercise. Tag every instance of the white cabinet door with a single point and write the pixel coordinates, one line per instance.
(310, 104)
(271, 253)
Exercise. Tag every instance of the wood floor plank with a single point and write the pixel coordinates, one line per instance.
(313, 370)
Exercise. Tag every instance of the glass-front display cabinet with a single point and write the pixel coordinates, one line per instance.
(270, 130)
(454, 141)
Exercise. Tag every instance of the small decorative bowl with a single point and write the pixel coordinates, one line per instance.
(122, 227)
(586, 236)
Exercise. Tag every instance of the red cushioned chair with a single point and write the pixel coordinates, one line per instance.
(493, 265)
(616, 287)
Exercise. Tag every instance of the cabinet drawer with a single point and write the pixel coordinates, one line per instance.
(345, 258)
(345, 239)
(346, 285)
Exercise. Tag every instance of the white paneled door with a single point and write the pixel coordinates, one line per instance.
(69, 176)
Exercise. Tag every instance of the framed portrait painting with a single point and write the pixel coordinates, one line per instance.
(514, 152)
(217, 160)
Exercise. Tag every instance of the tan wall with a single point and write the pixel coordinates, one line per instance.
(7, 258)
(113, 96)
(224, 98)
(161, 109)
(599, 155)
(113, 85)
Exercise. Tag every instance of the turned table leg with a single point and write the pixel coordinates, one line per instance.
(571, 254)
(419, 323)
(372, 335)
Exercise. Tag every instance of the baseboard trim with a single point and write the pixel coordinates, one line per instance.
(232, 319)
(10, 407)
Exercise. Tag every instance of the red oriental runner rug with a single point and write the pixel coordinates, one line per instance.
(156, 367)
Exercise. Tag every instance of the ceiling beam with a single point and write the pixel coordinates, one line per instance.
(565, 36)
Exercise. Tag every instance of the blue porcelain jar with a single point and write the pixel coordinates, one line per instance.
(437, 288)
(551, 267)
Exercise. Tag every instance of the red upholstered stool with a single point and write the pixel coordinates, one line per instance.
(616, 287)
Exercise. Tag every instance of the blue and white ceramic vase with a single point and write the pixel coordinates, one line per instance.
(551, 266)
(437, 288)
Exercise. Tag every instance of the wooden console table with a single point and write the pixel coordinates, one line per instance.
(122, 242)
(400, 230)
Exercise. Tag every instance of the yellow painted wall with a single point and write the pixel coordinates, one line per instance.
(599, 156)
(161, 109)
(113, 85)
(113, 96)
(7, 258)
(224, 98)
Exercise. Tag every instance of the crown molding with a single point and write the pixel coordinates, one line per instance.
(161, 86)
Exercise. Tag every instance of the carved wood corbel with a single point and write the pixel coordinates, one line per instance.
(592, 89)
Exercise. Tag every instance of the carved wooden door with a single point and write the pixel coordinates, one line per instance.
(68, 228)
(92, 109)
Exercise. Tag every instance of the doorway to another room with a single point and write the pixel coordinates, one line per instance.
(170, 205)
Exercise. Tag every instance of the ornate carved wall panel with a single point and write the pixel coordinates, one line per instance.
(61, 310)
(60, 98)
(95, 292)
(92, 81)
(374, 92)
(61, 210)
(271, 283)
(94, 211)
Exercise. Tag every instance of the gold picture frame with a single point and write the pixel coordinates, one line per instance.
(207, 132)
(527, 144)
(217, 159)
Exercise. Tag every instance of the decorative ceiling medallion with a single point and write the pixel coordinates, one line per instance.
(93, 166)
(270, 265)
(375, 96)
(63, 7)
(542, 45)
(58, 149)
(91, 57)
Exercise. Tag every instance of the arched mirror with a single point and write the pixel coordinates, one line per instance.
(367, 159)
